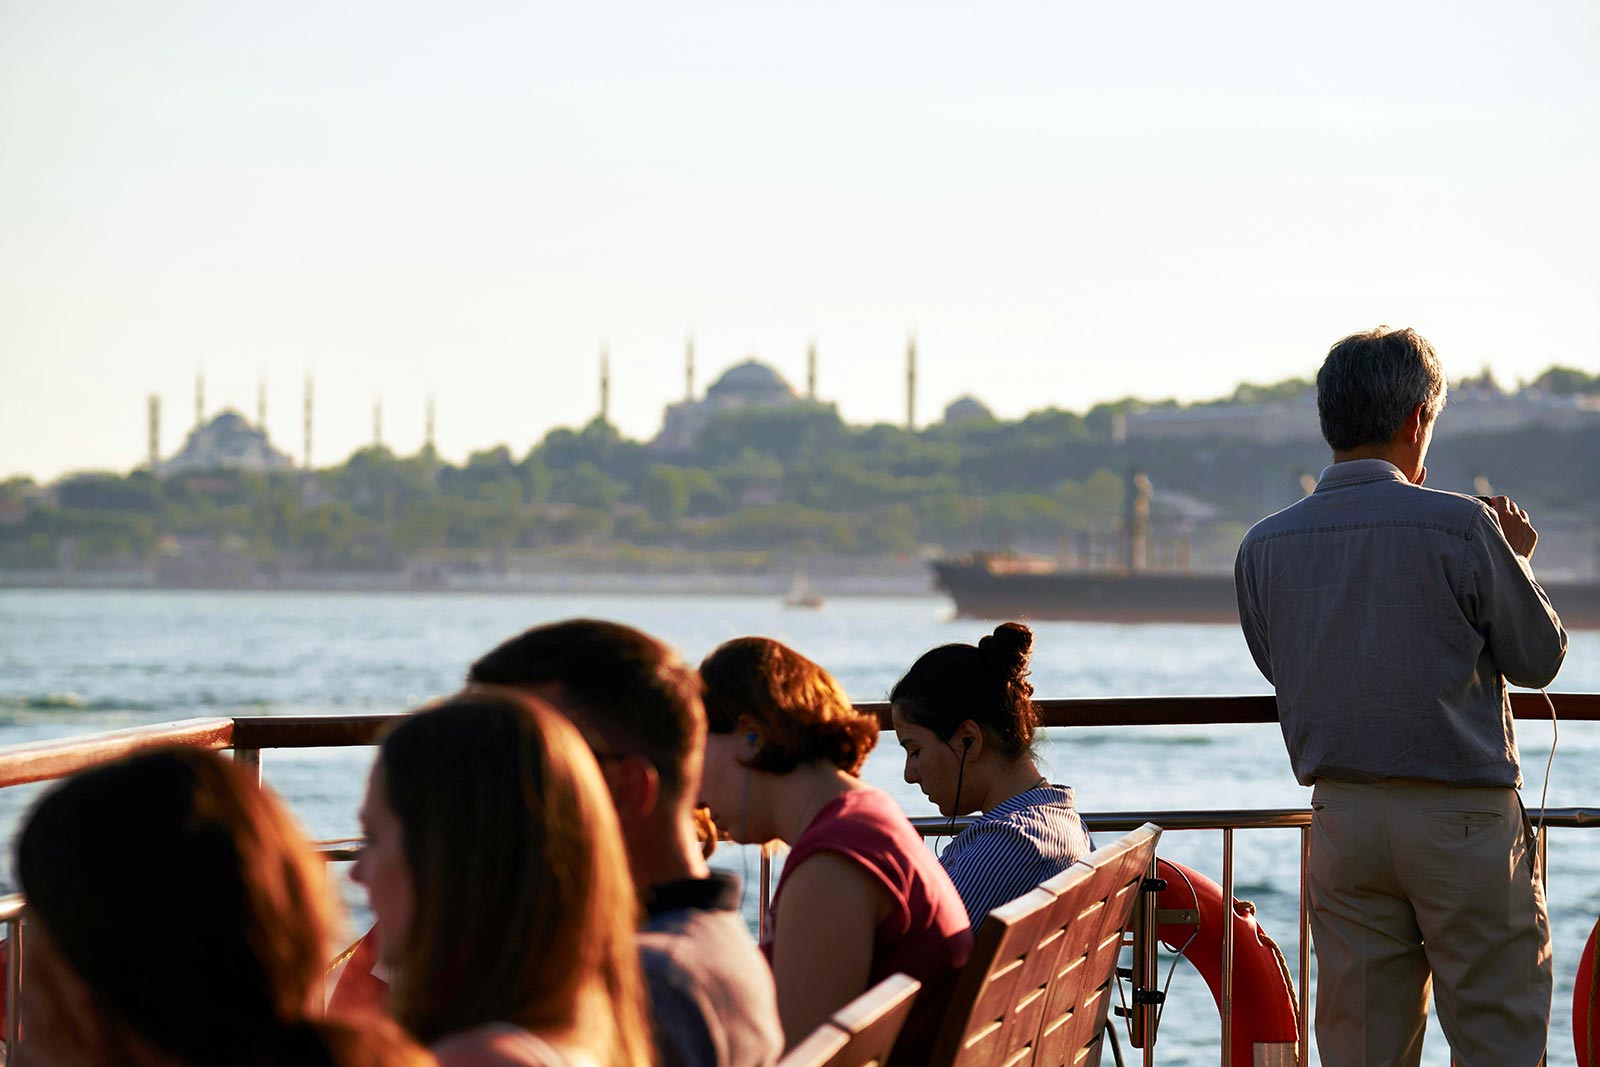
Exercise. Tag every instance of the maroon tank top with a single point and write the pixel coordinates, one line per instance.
(925, 934)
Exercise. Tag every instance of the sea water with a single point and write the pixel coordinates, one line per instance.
(79, 662)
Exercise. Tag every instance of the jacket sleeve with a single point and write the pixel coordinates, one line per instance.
(1510, 608)
(1250, 617)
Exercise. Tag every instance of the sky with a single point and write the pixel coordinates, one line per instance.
(1066, 202)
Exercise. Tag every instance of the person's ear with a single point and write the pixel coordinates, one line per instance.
(1416, 423)
(635, 786)
(749, 734)
(968, 740)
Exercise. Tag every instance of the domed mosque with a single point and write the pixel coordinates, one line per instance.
(227, 442)
(967, 408)
(751, 384)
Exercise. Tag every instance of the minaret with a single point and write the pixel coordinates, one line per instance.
(154, 432)
(911, 383)
(688, 370)
(307, 456)
(605, 385)
(377, 421)
(199, 398)
(811, 370)
(427, 426)
(261, 403)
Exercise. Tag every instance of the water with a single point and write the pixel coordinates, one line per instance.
(77, 662)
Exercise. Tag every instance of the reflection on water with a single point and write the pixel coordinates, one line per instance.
(75, 662)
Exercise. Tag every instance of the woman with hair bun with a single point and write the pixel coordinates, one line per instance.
(860, 897)
(966, 718)
(177, 918)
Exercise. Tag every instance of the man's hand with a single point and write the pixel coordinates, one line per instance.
(1520, 534)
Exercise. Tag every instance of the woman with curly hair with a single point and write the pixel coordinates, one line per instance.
(861, 897)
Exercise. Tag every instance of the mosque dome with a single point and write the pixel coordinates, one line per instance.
(967, 409)
(752, 382)
(227, 441)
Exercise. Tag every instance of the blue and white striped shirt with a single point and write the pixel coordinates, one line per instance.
(1013, 847)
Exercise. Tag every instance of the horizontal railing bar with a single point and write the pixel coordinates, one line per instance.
(310, 731)
(11, 907)
(38, 761)
(1213, 710)
(344, 848)
(1229, 819)
(1120, 822)
(320, 731)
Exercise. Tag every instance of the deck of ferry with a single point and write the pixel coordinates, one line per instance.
(248, 737)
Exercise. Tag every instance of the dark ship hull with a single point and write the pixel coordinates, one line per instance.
(994, 588)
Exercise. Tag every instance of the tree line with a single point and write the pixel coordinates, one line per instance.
(788, 481)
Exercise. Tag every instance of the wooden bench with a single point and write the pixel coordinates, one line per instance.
(1037, 988)
(861, 1033)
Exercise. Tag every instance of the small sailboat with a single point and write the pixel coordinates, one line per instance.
(800, 594)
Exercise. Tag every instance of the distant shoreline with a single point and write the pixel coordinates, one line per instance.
(896, 584)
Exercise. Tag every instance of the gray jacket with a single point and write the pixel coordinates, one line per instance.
(1389, 617)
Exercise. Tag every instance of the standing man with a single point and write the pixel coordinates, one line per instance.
(1389, 618)
(712, 999)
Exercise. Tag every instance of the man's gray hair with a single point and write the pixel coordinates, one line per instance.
(1371, 382)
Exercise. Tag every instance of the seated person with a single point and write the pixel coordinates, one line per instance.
(965, 716)
(501, 892)
(860, 897)
(177, 918)
(638, 705)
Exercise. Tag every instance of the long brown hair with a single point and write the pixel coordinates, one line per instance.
(189, 904)
(523, 909)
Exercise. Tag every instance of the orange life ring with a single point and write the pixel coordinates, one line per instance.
(1264, 1006)
(355, 989)
(1584, 994)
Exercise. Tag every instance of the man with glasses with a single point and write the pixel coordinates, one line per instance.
(639, 706)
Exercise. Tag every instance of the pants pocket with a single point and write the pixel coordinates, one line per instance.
(1465, 822)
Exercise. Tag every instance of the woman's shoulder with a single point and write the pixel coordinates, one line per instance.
(1044, 823)
(502, 1045)
(865, 817)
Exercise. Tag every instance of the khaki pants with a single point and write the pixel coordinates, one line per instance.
(1415, 880)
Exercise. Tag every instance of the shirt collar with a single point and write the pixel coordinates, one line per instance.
(1356, 471)
(1048, 793)
(718, 891)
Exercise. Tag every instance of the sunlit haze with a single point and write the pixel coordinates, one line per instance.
(1066, 202)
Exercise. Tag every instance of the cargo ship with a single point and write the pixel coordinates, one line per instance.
(1005, 586)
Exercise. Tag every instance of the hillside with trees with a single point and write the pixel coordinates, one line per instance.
(759, 489)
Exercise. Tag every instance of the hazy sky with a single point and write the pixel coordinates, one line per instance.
(1067, 201)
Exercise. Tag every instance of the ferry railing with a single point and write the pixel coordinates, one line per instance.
(249, 736)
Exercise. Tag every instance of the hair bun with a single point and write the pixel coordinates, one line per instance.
(1008, 649)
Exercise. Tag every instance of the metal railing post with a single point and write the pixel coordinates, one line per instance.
(1304, 1058)
(13, 981)
(1146, 969)
(249, 761)
(1227, 948)
(766, 892)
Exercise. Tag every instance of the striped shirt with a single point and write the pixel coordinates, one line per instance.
(1013, 847)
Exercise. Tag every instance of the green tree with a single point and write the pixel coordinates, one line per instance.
(665, 493)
